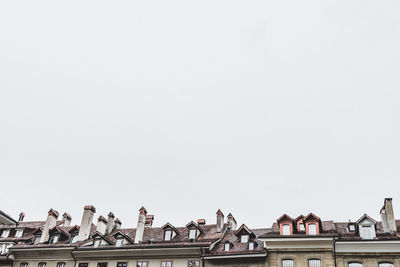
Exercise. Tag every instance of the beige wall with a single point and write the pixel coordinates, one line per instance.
(236, 262)
(300, 258)
(367, 260)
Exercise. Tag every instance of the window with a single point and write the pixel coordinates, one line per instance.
(142, 264)
(83, 264)
(192, 233)
(301, 227)
(366, 232)
(355, 264)
(286, 229)
(251, 246)
(37, 239)
(118, 242)
(60, 264)
(314, 263)
(288, 263)
(193, 263)
(5, 233)
(227, 246)
(74, 238)
(54, 239)
(122, 264)
(312, 229)
(102, 264)
(19, 233)
(244, 238)
(24, 264)
(42, 264)
(96, 243)
(166, 264)
(385, 264)
(352, 228)
(3, 248)
(167, 235)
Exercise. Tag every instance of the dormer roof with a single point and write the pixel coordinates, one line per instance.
(311, 216)
(365, 216)
(97, 234)
(119, 233)
(168, 225)
(193, 224)
(284, 217)
(244, 229)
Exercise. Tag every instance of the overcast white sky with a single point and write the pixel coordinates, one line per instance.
(256, 107)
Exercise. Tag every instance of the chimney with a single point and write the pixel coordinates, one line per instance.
(50, 223)
(101, 225)
(66, 219)
(220, 221)
(110, 223)
(117, 224)
(86, 224)
(140, 225)
(387, 216)
(201, 221)
(231, 222)
(21, 217)
(149, 220)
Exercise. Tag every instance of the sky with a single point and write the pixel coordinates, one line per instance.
(258, 108)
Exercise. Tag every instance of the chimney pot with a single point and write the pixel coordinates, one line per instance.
(117, 224)
(101, 225)
(201, 221)
(21, 217)
(387, 216)
(140, 225)
(66, 219)
(149, 220)
(110, 223)
(86, 223)
(51, 222)
(220, 221)
(232, 222)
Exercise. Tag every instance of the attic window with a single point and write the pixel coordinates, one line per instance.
(19, 233)
(192, 233)
(244, 238)
(366, 232)
(54, 239)
(96, 243)
(74, 238)
(312, 229)
(167, 235)
(251, 245)
(301, 227)
(118, 242)
(286, 229)
(227, 246)
(37, 239)
(5, 233)
(352, 228)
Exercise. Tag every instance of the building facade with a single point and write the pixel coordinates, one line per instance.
(304, 241)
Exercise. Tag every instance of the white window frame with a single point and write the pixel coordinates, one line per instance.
(312, 226)
(285, 229)
(5, 233)
(168, 235)
(244, 238)
(355, 264)
(96, 243)
(166, 264)
(385, 264)
(19, 233)
(192, 233)
(42, 264)
(23, 264)
(54, 239)
(302, 227)
(61, 264)
(118, 242)
(227, 246)
(314, 263)
(287, 263)
(251, 245)
(367, 232)
(193, 263)
(74, 239)
(141, 264)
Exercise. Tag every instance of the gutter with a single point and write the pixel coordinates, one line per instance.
(235, 256)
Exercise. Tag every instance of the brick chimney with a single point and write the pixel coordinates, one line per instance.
(51, 222)
(101, 225)
(21, 217)
(140, 225)
(149, 220)
(66, 219)
(117, 224)
(86, 224)
(387, 216)
(220, 221)
(232, 222)
(110, 223)
(201, 221)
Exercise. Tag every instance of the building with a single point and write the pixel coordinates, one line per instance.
(302, 241)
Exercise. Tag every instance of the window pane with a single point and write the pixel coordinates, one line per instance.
(102, 264)
(244, 238)
(314, 263)
(167, 235)
(251, 246)
(367, 232)
(227, 246)
(287, 263)
(386, 264)
(83, 264)
(122, 264)
(286, 229)
(312, 229)
(355, 264)
(192, 234)
(61, 264)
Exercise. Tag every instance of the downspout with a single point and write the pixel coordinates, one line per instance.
(334, 251)
(72, 254)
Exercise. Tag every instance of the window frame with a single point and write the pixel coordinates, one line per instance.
(314, 259)
(170, 235)
(166, 261)
(198, 261)
(117, 240)
(287, 259)
(96, 241)
(191, 231)
(83, 264)
(23, 264)
(63, 263)
(141, 262)
(251, 243)
(122, 264)
(354, 262)
(287, 227)
(225, 246)
(42, 264)
(382, 263)
(102, 264)
(309, 229)
(246, 237)
(3, 235)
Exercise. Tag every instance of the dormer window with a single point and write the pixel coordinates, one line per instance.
(192, 233)
(167, 235)
(118, 242)
(366, 232)
(312, 229)
(251, 245)
(244, 238)
(19, 233)
(227, 246)
(285, 229)
(301, 227)
(5, 233)
(96, 243)
(352, 228)
(37, 239)
(54, 239)
(74, 239)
